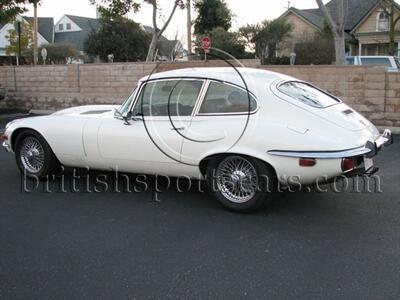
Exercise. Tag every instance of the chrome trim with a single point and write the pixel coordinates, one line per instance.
(370, 149)
(322, 154)
(7, 146)
(385, 139)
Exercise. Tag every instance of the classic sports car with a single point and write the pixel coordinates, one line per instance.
(243, 130)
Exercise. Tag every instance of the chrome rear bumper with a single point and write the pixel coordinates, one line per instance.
(7, 146)
(369, 150)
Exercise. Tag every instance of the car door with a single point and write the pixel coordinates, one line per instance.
(220, 121)
(152, 141)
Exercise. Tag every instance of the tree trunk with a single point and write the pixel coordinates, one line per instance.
(35, 34)
(337, 28)
(189, 28)
(392, 30)
(157, 33)
(340, 49)
(152, 49)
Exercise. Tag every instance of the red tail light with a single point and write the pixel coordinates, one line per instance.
(307, 162)
(3, 137)
(348, 164)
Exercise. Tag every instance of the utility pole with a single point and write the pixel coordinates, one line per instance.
(35, 33)
(189, 28)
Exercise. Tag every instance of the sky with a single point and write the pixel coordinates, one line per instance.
(245, 11)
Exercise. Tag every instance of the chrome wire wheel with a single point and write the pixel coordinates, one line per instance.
(32, 154)
(237, 179)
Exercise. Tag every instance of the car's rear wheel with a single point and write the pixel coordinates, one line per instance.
(240, 183)
(34, 156)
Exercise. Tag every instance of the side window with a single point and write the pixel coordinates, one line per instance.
(176, 97)
(225, 98)
(383, 21)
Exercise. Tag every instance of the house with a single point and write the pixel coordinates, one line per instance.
(74, 30)
(45, 34)
(366, 27)
(167, 50)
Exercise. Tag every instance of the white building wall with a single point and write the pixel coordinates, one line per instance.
(4, 32)
(64, 21)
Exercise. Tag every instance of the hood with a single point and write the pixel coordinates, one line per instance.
(86, 110)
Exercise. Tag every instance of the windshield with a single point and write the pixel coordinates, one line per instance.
(397, 60)
(307, 94)
(124, 108)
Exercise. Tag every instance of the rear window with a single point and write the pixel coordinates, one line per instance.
(307, 94)
(382, 61)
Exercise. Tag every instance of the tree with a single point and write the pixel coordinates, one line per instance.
(211, 14)
(248, 33)
(115, 9)
(26, 41)
(317, 50)
(227, 41)
(337, 28)
(125, 39)
(9, 9)
(270, 34)
(389, 7)
(59, 53)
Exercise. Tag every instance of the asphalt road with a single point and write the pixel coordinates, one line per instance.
(128, 246)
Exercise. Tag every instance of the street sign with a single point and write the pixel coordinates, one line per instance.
(206, 44)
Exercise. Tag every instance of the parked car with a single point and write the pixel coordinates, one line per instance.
(244, 134)
(391, 62)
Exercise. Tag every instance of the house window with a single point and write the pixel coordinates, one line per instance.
(383, 21)
(68, 26)
(61, 27)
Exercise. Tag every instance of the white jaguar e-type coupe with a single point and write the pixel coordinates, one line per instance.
(243, 130)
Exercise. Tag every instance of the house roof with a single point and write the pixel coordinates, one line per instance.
(313, 16)
(86, 24)
(77, 38)
(357, 10)
(46, 27)
(149, 30)
(166, 48)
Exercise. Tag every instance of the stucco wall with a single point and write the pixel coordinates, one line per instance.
(370, 90)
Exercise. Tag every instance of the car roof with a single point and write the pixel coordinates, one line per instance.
(227, 74)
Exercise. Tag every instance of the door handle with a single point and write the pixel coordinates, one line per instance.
(178, 128)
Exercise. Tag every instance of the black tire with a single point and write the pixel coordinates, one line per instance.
(262, 195)
(50, 166)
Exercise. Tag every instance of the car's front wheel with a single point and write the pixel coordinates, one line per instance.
(34, 156)
(240, 183)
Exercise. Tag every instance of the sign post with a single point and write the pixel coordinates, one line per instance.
(206, 45)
